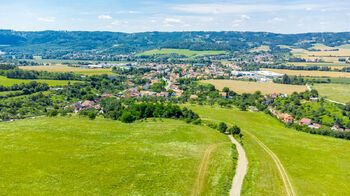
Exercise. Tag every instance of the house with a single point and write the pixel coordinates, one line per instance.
(313, 99)
(105, 95)
(337, 128)
(286, 118)
(223, 94)
(305, 121)
(253, 109)
(193, 97)
(273, 95)
(87, 104)
(315, 126)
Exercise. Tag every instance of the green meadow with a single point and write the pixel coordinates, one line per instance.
(336, 92)
(316, 165)
(9, 82)
(77, 156)
(185, 52)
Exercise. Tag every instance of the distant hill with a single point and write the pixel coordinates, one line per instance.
(58, 43)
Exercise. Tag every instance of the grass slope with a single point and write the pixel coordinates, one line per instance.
(185, 52)
(316, 165)
(250, 87)
(337, 92)
(103, 157)
(9, 82)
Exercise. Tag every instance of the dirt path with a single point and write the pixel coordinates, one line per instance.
(241, 169)
(203, 168)
(286, 181)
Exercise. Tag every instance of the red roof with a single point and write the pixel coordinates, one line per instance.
(305, 121)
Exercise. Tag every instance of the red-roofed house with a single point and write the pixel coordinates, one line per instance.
(305, 121)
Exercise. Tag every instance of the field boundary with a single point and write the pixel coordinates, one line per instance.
(203, 168)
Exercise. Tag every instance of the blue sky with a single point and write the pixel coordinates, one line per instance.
(288, 16)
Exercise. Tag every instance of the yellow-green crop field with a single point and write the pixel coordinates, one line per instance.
(9, 82)
(336, 92)
(331, 74)
(251, 87)
(65, 68)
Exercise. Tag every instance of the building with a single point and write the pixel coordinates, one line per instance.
(305, 121)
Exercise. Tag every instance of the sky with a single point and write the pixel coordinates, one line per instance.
(287, 16)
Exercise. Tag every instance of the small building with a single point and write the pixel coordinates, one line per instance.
(223, 94)
(193, 97)
(305, 121)
(313, 99)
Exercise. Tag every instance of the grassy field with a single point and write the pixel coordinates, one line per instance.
(251, 87)
(331, 74)
(316, 165)
(261, 48)
(328, 56)
(74, 156)
(337, 92)
(185, 52)
(65, 68)
(61, 62)
(9, 82)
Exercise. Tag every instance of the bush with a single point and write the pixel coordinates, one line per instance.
(197, 121)
(92, 115)
(235, 130)
(127, 117)
(52, 113)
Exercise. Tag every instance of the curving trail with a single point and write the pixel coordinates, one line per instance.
(286, 181)
(203, 168)
(241, 169)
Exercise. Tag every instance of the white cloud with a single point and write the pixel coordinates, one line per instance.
(242, 18)
(324, 23)
(116, 22)
(172, 20)
(153, 21)
(245, 17)
(49, 19)
(104, 17)
(277, 19)
(225, 8)
(308, 9)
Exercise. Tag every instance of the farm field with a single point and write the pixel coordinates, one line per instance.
(316, 165)
(331, 74)
(251, 87)
(328, 56)
(65, 68)
(331, 65)
(76, 156)
(185, 52)
(9, 81)
(336, 92)
(261, 48)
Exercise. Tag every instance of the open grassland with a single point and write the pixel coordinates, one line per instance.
(185, 52)
(65, 68)
(316, 165)
(331, 74)
(9, 82)
(336, 92)
(261, 48)
(75, 156)
(331, 65)
(251, 87)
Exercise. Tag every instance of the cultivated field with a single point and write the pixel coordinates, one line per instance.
(331, 74)
(251, 87)
(336, 92)
(324, 54)
(65, 68)
(9, 82)
(76, 156)
(185, 52)
(315, 165)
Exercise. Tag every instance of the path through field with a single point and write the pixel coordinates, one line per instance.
(203, 168)
(286, 181)
(241, 170)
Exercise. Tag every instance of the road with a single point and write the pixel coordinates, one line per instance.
(241, 169)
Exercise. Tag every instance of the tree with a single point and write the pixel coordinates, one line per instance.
(222, 127)
(235, 130)
(225, 89)
(92, 115)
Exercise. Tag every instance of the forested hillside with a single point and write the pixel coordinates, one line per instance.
(51, 44)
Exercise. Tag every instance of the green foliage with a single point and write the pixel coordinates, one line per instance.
(235, 130)
(222, 127)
